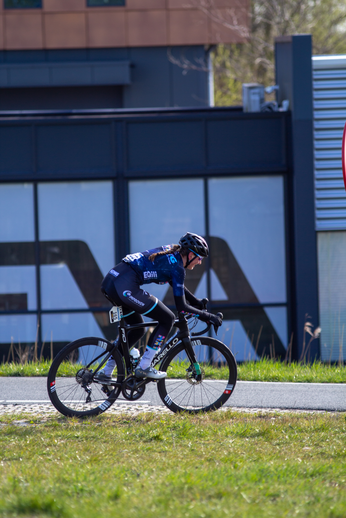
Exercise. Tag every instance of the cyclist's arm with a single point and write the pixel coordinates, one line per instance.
(186, 309)
(179, 290)
(191, 299)
(183, 307)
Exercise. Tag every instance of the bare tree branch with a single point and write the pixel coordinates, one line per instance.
(257, 24)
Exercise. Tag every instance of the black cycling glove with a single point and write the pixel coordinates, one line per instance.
(210, 318)
(202, 304)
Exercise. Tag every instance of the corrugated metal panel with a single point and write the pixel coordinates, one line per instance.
(329, 101)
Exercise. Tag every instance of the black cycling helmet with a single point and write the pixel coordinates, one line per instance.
(194, 243)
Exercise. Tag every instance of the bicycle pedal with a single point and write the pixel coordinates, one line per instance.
(107, 389)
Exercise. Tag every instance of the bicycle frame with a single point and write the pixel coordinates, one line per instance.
(187, 385)
(182, 334)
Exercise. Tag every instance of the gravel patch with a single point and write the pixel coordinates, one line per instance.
(46, 409)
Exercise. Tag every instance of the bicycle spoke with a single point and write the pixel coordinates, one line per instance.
(183, 389)
(70, 380)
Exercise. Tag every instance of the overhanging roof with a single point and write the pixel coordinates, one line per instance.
(90, 73)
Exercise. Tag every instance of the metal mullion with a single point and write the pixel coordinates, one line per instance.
(114, 187)
(121, 204)
(37, 267)
(206, 222)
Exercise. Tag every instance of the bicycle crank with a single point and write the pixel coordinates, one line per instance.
(132, 388)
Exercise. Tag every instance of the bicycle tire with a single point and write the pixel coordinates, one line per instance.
(181, 392)
(70, 386)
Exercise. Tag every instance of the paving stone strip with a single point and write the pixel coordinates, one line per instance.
(45, 409)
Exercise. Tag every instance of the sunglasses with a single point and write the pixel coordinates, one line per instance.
(197, 255)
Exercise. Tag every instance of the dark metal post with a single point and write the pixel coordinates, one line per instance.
(293, 55)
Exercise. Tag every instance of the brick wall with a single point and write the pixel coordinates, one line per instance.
(70, 24)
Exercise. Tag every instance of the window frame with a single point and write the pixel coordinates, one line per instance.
(7, 7)
(106, 3)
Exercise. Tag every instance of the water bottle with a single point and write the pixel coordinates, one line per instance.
(135, 356)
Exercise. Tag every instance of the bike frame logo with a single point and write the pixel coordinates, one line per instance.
(168, 347)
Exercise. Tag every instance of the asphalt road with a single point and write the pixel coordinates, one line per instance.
(247, 394)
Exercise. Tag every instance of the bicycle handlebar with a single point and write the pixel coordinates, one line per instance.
(207, 328)
(202, 332)
(177, 321)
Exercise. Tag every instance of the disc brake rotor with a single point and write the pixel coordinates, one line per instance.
(193, 378)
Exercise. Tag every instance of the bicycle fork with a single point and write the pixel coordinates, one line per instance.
(192, 357)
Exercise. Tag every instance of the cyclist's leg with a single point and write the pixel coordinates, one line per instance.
(118, 280)
(131, 317)
(166, 319)
(121, 285)
(133, 337)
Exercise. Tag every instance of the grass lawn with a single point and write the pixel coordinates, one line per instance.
(218, 465)
(263, 370)
(271, 370)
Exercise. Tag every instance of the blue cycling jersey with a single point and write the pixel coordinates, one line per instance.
(165, 268)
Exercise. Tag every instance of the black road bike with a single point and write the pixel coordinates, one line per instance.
(201, 371)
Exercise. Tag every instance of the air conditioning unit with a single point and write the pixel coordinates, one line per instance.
(253, 97)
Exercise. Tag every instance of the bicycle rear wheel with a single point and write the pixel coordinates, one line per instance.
(183, 390)
(70, 379)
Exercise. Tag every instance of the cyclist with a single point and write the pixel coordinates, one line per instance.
(122, 287)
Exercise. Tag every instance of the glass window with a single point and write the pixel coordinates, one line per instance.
(17, 248)
(18, 334)
(332, 295)
(161, 211)
(22, 4)
(248, 266)
(253, 333)
(17, 288)
(17, 213)
(95, 3)
(247, 214)
(76, 231)
(60, 329)
(65, 327)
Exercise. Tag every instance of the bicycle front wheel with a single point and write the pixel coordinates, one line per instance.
(70, 383)
(185, 390)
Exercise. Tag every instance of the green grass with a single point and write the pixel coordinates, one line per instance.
(217, 465)
(31, 368)
(263, 370)
(270, 370)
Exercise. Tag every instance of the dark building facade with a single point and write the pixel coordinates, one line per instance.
(92, 54)
(106, 150)
(85, 190)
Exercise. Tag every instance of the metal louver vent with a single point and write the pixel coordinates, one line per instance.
(329, 105)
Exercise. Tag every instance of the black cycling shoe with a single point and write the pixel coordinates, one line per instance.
(150, 372)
